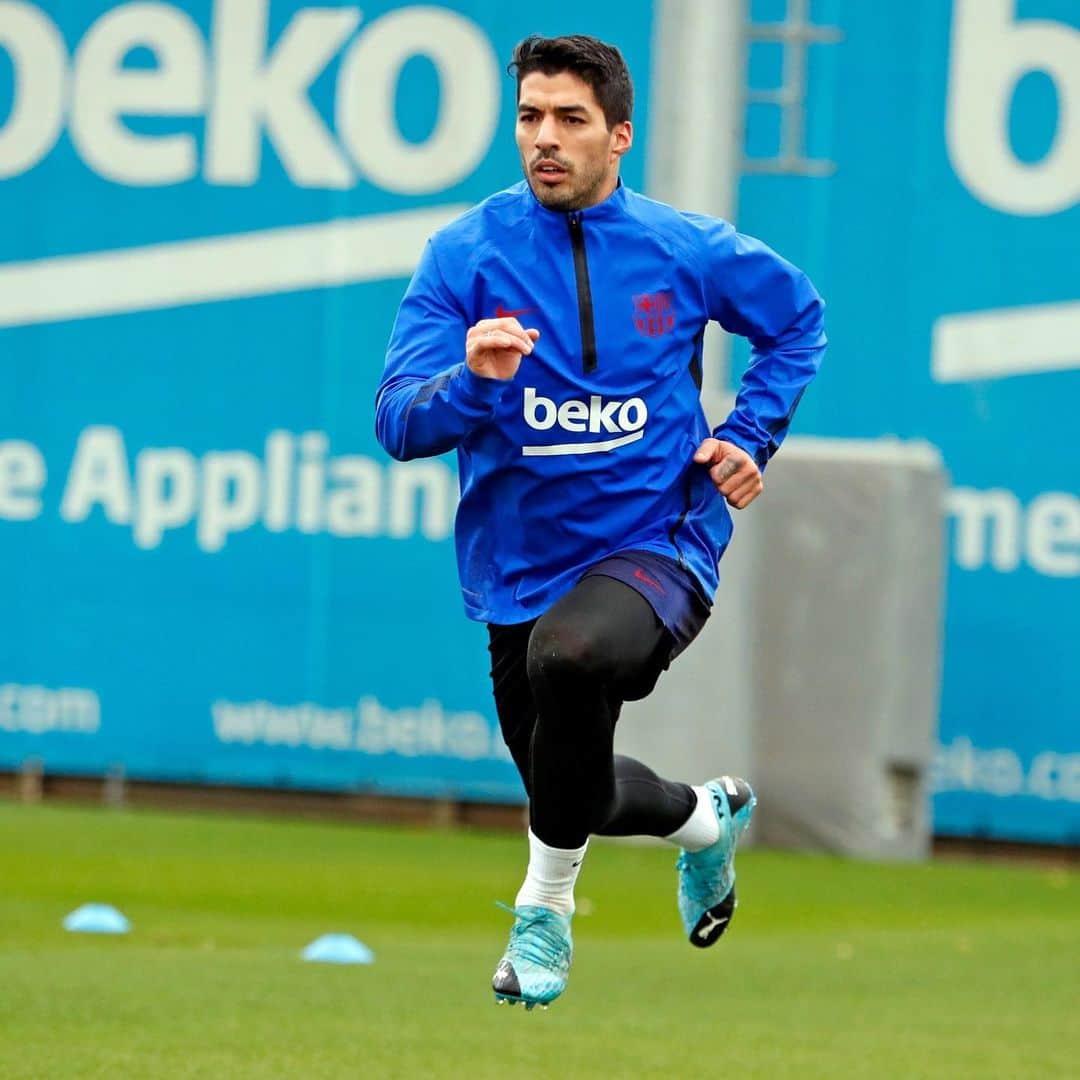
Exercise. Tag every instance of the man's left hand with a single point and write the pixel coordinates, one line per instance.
(732, 470)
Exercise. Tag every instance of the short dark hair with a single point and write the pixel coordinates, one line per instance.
(599, 65)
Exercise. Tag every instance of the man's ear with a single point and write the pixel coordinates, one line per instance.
(622, 138)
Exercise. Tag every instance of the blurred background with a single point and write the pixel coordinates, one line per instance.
(213, 577)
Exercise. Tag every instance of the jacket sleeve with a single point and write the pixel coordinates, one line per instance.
(426, 403)
(753, 292)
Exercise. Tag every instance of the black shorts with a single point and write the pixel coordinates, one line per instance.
(672, 592)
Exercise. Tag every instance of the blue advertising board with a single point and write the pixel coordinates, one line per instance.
(212, 573)
(210, 570)
(937, 206)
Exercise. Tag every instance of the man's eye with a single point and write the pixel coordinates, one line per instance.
(575, 120)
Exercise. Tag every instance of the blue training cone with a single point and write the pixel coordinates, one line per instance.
(96, 919)
(338, 949)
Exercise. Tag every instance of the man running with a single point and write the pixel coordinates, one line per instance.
(552, 336)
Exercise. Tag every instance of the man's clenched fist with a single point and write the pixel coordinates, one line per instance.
(732, 470)
(494, 347)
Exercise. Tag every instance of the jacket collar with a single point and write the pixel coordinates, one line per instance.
(614, 206)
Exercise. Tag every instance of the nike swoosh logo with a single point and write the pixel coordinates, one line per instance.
(642, 576)
(502, 313)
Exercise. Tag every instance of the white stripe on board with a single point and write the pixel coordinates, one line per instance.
(217, 268)
(1006, 341)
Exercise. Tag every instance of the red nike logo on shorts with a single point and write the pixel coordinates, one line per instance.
(502, 313)
(642, 576)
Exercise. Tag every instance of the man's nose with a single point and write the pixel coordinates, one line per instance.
(547, 134)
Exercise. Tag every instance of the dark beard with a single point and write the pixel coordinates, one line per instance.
(566, 201)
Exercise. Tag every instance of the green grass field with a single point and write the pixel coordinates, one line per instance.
(831, 969)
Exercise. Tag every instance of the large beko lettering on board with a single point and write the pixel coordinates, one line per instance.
(211, 209)
(145, 100)
(245, 89)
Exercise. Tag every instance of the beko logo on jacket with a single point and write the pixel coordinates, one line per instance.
(624, 419)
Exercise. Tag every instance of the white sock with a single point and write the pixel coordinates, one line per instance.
(549, 881)
(701, 828)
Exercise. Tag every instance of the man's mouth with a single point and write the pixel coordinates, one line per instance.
(549, 172)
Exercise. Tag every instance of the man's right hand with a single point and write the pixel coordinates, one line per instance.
(494, 347)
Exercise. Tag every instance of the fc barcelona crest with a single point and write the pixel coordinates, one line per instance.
(654, 313)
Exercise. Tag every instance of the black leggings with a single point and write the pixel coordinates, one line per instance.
(559, 683)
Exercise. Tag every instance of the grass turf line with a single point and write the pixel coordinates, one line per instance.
(831, 969)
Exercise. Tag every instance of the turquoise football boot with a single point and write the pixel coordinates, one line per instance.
(707, 877)
(536, 963)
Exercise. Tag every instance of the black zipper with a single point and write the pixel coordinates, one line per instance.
(584, 293)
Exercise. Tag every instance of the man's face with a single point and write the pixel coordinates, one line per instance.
(570, 158)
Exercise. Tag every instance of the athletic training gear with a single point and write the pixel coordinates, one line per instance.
(701, 829)
(551, 876)
(670, 591)
(588, 450)
(536, 963)
(707, 877)
(559, 686)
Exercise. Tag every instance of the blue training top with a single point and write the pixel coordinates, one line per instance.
(588, 450)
